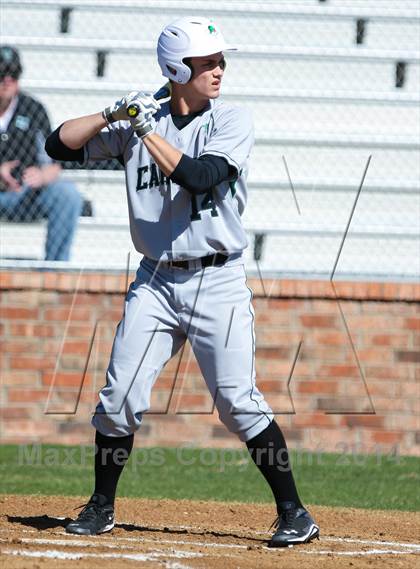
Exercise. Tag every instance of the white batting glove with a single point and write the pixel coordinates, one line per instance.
(147, 106)
(144, 102)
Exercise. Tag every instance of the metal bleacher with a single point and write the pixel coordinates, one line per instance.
(329, 84)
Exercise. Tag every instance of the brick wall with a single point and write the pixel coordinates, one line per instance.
(338, 364)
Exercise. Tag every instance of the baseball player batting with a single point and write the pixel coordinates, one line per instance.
(186, 163)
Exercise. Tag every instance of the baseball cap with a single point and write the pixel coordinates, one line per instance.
(10, 64)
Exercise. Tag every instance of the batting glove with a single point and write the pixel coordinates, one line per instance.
(144, 103)
(147, 106)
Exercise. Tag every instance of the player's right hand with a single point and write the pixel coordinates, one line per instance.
(118, 111)
(6, 177)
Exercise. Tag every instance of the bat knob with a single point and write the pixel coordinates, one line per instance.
(133, 110)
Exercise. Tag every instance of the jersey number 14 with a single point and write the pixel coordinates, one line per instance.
(208, 202)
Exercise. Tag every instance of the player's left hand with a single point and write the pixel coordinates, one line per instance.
(147, 106)
(145, 103)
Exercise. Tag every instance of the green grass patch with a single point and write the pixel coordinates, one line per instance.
(363, 481)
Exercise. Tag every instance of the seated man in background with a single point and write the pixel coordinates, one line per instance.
(30, 188)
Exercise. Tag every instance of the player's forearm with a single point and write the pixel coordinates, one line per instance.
(164, 154)
(75, 133)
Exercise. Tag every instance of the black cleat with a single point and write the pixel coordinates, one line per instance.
(293, 526)
(96, 517)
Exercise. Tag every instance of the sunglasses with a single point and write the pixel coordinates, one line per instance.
(11, 74)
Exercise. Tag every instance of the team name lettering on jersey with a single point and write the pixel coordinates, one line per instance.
(151, 177)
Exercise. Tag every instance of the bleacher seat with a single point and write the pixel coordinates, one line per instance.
(324, 139)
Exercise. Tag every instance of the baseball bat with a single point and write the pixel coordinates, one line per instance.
(163, 93)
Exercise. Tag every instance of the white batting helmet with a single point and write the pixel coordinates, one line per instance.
(188, 37)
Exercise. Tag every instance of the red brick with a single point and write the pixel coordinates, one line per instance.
(18, 313)
(28, 429)
(273, 353)
(76, 347)
(46, 330)
(304, 420)
(331, 338)
(393, 422)
(27, 395)
(412, 323)
(344, 405)
(378, 322)
(282, 304)
(83, 299)
(387, 437)
(15, 413)
(393, 340)
(380, 355)
(81, 331)
(407, 390)
(369, 421)
(317, 386)
(49, 298)
(340, 371)
(318, 321)
(66, 379)
(31, 329)
(103, 346)
(190, 366)
(21, 329)
(6, 279)
(63, 314)
(391, 372)
(408, 356)
(188, 401)
(67, 281)
(20, 378)
(390, 290)
(50, 281)
(276, 385)
(33, 363)
(20, 347)
(72, 362)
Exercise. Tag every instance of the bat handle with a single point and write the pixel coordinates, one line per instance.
(164, 92)
(133, 110)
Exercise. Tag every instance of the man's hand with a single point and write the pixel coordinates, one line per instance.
(147, 105)
(33, 177)
(6, 175)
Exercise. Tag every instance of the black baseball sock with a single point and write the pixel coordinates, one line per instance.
(270, 454)
(111, 455)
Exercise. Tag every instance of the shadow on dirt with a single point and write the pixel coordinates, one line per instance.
(188, 531)
(39, 522)
(46, 522)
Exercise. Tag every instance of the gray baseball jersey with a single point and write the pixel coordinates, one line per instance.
(166, 221)
(165, 306)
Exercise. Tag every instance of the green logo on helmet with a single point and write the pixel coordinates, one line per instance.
(212, 29)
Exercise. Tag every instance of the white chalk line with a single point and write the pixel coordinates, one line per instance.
(411, 547)
(372, 542)
(56, 554)
(267, 534)
(357, 553)
(109, 545)
(153, 555)
(414, 547)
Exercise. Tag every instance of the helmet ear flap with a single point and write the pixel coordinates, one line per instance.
(178, 72)
(171, 69)
(187, 61)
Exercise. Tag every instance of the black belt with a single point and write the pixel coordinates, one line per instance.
(216, 260)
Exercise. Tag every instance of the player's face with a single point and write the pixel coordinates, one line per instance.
(9, 87)
(207, 75)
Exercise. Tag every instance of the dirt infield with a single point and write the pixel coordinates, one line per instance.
(185, 534)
